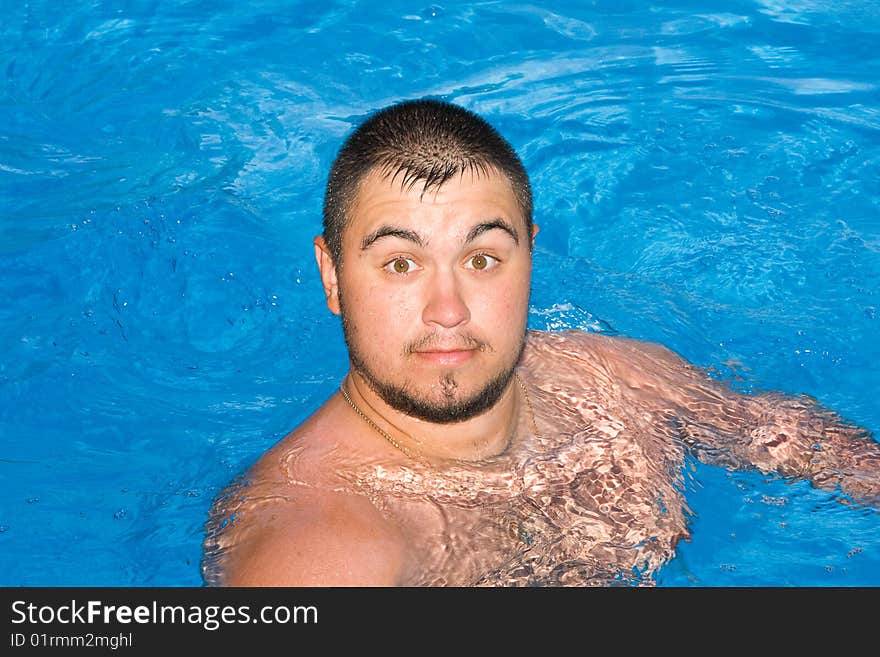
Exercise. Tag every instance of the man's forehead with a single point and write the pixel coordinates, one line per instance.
(487, 190)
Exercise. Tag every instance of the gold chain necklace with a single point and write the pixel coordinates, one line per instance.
(387, 436)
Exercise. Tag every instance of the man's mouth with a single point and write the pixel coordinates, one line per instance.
(446, 357)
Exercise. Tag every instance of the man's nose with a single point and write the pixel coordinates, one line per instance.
(445, 306)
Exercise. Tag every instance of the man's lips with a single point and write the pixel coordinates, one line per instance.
(446, 356)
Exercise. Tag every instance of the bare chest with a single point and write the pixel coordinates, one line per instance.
(593, 498)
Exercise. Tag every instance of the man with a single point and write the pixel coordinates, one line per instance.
(462, 449)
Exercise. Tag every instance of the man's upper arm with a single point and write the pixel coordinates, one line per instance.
(793, 435)
(320, 540)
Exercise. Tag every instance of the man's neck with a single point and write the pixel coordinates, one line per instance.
(483, 436)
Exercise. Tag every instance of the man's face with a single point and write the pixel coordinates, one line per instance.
(433, 291)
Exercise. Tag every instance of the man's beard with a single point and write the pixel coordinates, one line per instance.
(452, 409)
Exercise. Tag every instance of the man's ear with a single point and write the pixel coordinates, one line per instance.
(328, 274)
(535, 230)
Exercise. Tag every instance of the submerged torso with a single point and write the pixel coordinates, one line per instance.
(594, 498)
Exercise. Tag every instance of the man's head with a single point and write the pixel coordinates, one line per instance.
(426, 255)
(421, 143)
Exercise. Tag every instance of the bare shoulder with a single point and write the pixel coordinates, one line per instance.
(591, 345)
(326, 539)
(625, 360)
(291, 525)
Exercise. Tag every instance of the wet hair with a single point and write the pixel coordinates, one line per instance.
(423, 142)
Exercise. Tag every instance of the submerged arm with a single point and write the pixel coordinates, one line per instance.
(264, 530)
(794, 436)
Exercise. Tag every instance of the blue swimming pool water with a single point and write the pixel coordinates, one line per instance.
(706, 175)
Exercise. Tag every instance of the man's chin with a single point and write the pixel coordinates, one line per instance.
(444, 412)
(444, 402)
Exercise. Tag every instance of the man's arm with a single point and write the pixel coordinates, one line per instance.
(794, 436)
(308, 538)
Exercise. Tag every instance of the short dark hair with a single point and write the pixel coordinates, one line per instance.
(427, 141)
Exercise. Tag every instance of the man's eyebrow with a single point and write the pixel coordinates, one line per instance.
(387, 230)
(390, 231)
(481, 228)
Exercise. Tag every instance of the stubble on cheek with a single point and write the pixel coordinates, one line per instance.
(371, 338)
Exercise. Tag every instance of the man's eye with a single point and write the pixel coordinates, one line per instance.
(401, 265)
(481, 262)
